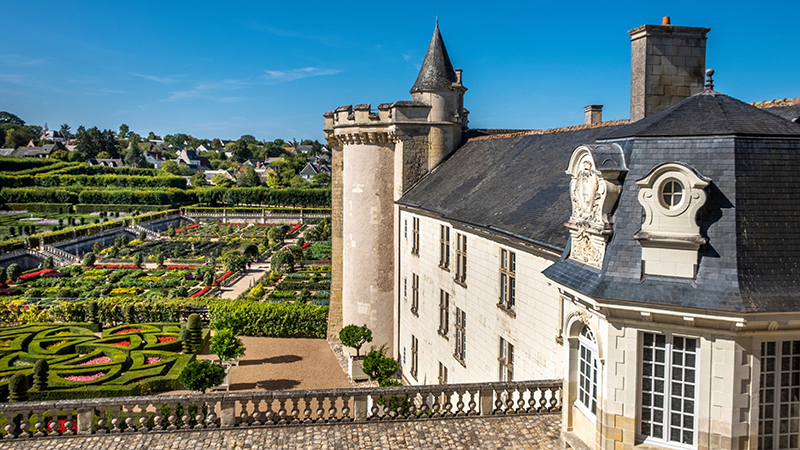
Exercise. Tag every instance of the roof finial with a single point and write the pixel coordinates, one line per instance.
(709, 80)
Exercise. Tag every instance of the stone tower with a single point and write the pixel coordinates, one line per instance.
(668, 65)
(377, 156)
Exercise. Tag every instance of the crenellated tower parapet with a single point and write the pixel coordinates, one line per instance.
(377, 156)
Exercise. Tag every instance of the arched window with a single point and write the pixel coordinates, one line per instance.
(587, 369)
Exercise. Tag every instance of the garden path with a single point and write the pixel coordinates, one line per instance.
(246, 282)
(284, 364)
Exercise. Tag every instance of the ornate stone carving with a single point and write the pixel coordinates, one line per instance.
(594, 189)
(582, 316)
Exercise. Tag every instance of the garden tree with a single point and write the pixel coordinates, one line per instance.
(275, 234)
(152, 137)
(380, 367)
(195, 327)
(176, 140)
(216, 143)
(97, 248)
(226, 345)
(138, 259)
(13, 272)
(60, 155)
(179, 292)
(65, 131)
(221, 180)
(250, 251)
(19, 137)
(281, 259)
(208, 278)
(159, 258)
(273, 180)
(198, 180)
(93, 141)
(12, 230)
(256, 293)
(133, 156)
(248, 139)
(321, 178)
(247, 177)
(103, 155)
(171, 230)
(222, 155)
(3, 276)
(240, 151)
(89, 259)
(7, 117)
(18, 388)
(142, 236)
(354, 336)
(202, 375)
(235, 262)
(113, 252)
(48, 263)
(123, 131)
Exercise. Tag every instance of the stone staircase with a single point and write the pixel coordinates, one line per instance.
(60, 257)
(136, 229)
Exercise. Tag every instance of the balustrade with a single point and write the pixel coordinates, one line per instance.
(276, 408)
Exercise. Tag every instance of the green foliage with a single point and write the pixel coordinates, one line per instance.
(130, 314)
(138, 259)
(354, 336)
(41, 371)
(186, 341)
(282, 260)
(171, 230)
(14, 272)
(18, 388)
(246, 318)
(201, 375)
(195, 327)
(92, 313)
(378, 366)
(89, 259)
(226, 345)
(3, 276)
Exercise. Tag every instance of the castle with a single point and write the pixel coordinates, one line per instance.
(659, 277)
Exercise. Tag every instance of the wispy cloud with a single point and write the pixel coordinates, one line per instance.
(17, 60)
(11, 78)
(157, 79)
(285, 76)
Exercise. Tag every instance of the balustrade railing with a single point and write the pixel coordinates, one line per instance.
(277, 408)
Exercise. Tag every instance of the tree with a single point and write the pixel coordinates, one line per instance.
(198, 180)
(48, 263)
(235, 262)
(221, 180)
(354, 336)
(378, 366)
(201, 375)
(282, 258)
(171, 230)
(240, 151)
(159, 257)
(97, 248)
(7, 117)
(14, 272)
(133, 156)
(152, 137)
(250, 252)
(123, 131)
(93, 141)
(138, 259)
(19, 137)
(3, 276)
(65, 131)
(247, 177)
(321, 178)
(89, 259)
(226, 345)
(216, 143)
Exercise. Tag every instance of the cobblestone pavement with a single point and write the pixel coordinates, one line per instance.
(506, 432)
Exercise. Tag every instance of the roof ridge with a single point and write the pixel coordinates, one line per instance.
(521, 133)
(777, 102)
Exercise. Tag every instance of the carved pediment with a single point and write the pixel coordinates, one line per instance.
(594, 190)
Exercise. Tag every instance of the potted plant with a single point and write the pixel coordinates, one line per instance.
(354, 336)
(227, 347)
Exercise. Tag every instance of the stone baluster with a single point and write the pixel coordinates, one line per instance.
(447, 408)
(39, 426)
(172, 418)
(532, 401)
(102, 422)
(295, 411)
(269, 414)
(460, 412)
(116, 422)
(521, 400)
(346, 416)
(282, 412)
(244, 416)
(307, 410)
(555, 399)
(68, 424)
(320, 412)
(130, 420)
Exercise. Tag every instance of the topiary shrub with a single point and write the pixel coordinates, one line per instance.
(18, 388)
(40, 373)
(201, 375)
(378, 366)
(354, 336)
(226, 345)
(94, 312)
(195, 327)
(186, 341)
(89, 259)
(14, 272)
(130, 314)
(48, 263)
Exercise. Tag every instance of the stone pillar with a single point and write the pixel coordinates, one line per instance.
(335, 309)
(667, 65)
(593, 114)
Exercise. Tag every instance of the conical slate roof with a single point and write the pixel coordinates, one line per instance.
(708, 113)
(437, 72)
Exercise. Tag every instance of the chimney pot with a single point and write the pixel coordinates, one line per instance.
(593, 114)
(458, 75)
(665, 21)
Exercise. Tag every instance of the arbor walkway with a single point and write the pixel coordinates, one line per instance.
(492, 432)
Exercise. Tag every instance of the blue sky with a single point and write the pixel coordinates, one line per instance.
(270, 69)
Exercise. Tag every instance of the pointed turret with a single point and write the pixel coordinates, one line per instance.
(437, 72)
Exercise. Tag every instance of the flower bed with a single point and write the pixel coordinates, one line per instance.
(100, 360)
(200, 292)
(295, 228)
(163, 339)
(35, 275)
(85, 378)
(129, 330)
(223, 277)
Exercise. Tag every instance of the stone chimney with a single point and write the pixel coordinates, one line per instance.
(667, 66)
(593, 114)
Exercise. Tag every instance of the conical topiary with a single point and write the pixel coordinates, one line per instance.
(195, 327)
(186, 341)
(130, 314)
(40, 373)
(18, 388)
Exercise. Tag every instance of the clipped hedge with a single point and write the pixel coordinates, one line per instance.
(87, 208)
(291, 197)
(132, 196)
(38, 195)
(11, 164)
(106, 180)
(269, 319)
(60, 208)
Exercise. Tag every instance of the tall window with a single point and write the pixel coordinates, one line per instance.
(444, 246)
(415, 235)
(442, 373)
(461, 257)
(405, 287)
(414, 294)
(587, 370)
(414, 356)
(506, 359)
(508, 280)
(444, 312)
(779, 407)
(405, 229)
(669, 388)
(461, 336)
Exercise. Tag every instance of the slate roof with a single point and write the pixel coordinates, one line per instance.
(708, 113)
(791, 113)
(751, 219)
(437, 72)
(512, 183)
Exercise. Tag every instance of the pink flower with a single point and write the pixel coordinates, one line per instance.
(85, 378)
(99, 360)
(152, 360)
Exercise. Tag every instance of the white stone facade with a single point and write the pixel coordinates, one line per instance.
(532, 327)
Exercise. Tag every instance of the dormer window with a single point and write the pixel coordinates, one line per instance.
(671, 194)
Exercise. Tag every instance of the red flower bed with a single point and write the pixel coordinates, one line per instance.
(295, 228)
(179, 267)
(200, 292)
(306, 244)
(223, 277)
(122, 344)
(35, 275)
(192, 227)
(163, 339)
(129, 330)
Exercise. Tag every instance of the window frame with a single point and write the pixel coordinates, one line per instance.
(505, 359)
(508, 282)
(415, 236)
(587, 359)
(460, 353)
(444, 247)
(442, 373)
(669, 384)
(461, 259)
(444, 313)
(414, 357)
(415, 294)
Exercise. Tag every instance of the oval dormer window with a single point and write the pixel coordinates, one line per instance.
(671, 194)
